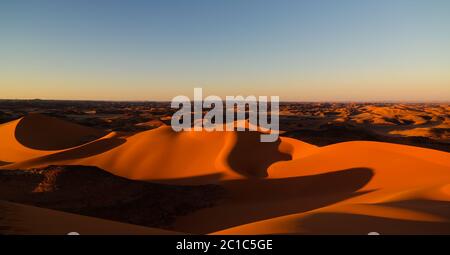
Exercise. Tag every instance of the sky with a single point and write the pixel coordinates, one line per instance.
(321, 50)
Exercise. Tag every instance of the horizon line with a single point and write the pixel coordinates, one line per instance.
(281, 101)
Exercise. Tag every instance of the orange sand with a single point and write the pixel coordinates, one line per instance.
(287, 187)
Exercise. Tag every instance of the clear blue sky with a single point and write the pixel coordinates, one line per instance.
(300, 50)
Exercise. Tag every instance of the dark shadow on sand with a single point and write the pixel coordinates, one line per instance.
(343, 223)
(251, 200)
(257, 158)
(40, 132)
(91, 191)
(88, 150)
(3, 163)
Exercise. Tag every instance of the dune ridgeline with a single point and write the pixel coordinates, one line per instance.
(285, 187)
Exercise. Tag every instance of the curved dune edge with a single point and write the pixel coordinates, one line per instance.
(40, 132)
(2, 163)
(37, 135)
(414, 212)
(287, 187)
(407, 194)
(12, 150)
(164, 155)
(407, 187)
(20, 219)
(359, 219)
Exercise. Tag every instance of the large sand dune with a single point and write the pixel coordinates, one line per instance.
(401, 189)
(283, 187)
(18, 219)
(37, 135)
(162, 154)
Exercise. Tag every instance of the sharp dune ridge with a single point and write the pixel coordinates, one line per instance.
(286, 187)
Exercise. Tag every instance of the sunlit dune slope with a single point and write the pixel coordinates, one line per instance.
(353, 187)
(37, 135)
(162, 154)
(188, 157)
(287, 187)
(390, 115)
(12, 150)
(409, 217)
(437, 132)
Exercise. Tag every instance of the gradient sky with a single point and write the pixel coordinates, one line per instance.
(358, 50)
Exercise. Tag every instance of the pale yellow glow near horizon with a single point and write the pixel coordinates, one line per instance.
(391, 90)
(426, 85)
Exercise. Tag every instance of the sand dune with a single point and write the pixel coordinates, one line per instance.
(21, 219)
(437, 132)
(357, 220)
(41, 132)
(93, 192)
(11, 150)
(390, 115)
(287, 187)
(37, 135)
(162, 154)
(2, 163)
(400, 175)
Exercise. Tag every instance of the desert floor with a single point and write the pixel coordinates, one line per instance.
(337, 169)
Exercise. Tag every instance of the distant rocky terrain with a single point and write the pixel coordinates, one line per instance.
(417, 124)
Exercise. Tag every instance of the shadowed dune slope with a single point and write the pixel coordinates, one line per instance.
(409, 189)
(41, 132)
(12, 150)
(164, 155)
(286, 187)
(259, 199)
(37, 135)
(18, 219)
(93, 192)
(2, 163)
(386, 221)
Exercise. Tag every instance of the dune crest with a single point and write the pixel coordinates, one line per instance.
(37, 135)
(286, 187)
(162, 154)
(407, 193)
(12, 150)
(159, 154)
(40, 132)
